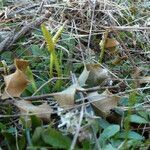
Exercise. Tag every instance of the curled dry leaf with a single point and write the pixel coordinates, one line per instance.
(93, 75)
(103, 102)
(66, 97)
(21, 64)
(43, 111)
(17, 81)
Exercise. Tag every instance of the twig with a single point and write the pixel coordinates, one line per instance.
(40, 8)
(77, 130)
(31, 98)
(91, 26)
(97, 88)
(9, 41)
(44, 96)
(126, 28)
(74, 80)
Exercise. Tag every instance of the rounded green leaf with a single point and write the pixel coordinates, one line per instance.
(108, 133)
(137, 119)
(56, 139)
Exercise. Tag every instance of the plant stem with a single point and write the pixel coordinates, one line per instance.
(28, 136)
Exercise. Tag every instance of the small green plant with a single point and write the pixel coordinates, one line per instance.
(51, 42)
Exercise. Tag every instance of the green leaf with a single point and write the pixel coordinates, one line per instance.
(131, 135)
(7, 56)
(36, 121)
(36, 50)
(37, 137)
(87, 145)
(108, 133)
(144, 114)
(2, 126)
(108, 147)
(56, 139)
(10, 140)
(103, 123)
(22, 142)
(137, 119)
(11, 130)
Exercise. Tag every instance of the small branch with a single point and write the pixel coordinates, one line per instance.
(97, 88)
(126, 28)
(72, 147)
(40, 8)
(31, 98)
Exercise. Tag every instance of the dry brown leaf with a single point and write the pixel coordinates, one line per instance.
(21, 64)
(118, 60)
(145, 79)
(111, 43)
(17, 81)
(66, 98)
(138, 78)
(104, 102)
(93, 75)
(43, 111)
